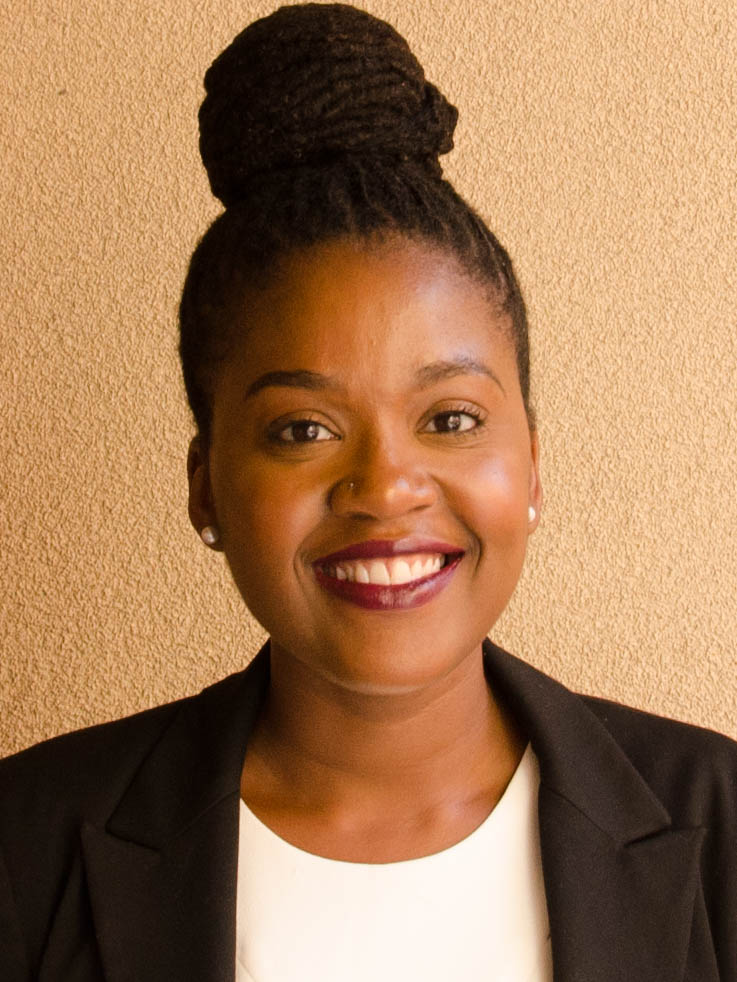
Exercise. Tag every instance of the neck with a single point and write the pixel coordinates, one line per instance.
(336, 749)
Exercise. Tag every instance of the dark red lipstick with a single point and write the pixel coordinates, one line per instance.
(425, 583)
(382, 548)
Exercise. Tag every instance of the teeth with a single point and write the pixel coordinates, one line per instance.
(378, 573)
(391, 571)
(401, 573)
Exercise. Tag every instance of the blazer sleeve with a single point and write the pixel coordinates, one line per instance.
(13, 961)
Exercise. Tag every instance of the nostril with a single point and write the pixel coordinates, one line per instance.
(379, 488)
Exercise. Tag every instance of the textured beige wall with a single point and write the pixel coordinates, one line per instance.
(598, 139)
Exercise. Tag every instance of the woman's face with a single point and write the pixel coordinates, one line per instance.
(370, 426)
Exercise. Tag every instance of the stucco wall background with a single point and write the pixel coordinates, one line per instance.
(599, 141)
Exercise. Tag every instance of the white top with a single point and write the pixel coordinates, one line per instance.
(471, 912)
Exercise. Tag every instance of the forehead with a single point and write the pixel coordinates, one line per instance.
(352, 308)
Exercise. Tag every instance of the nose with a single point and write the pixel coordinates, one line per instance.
(381, 484)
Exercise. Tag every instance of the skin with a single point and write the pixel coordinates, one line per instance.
(380, 739)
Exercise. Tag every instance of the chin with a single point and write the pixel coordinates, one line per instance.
(379, 671)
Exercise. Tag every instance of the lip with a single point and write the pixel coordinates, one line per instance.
(380, 548)
(401, 596)
(404, 596)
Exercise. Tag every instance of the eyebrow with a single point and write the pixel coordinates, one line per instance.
(426, 376)
(301, 378)
(438, 371)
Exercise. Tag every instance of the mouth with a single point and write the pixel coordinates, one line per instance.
(388, 575)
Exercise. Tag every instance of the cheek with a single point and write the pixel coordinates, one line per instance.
(265, 516)
(493, 499)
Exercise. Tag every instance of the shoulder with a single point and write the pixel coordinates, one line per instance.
(47, 792)
(82, 775)
(691, 769)
(153, 763)
(77, 773)
(591, 749)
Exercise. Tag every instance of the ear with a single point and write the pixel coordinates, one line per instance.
(201, 508)
(535, 490)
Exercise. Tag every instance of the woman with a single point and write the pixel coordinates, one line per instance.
(383, 792)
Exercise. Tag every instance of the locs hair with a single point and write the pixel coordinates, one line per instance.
(318, 123)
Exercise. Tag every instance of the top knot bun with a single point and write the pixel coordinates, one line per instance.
(309, 84)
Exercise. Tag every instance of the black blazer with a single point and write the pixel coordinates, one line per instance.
(119, 843)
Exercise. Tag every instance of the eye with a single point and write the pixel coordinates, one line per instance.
(453, 421)
(304, 431)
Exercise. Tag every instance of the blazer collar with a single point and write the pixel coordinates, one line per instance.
(620, 882)
(579, 759)
(162, 874)
(198, 759)
(197, 762)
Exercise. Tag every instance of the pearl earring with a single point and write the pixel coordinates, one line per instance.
(531, 513)
(209, 535)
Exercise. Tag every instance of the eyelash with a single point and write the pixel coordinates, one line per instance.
(277, 431)
(471, 411)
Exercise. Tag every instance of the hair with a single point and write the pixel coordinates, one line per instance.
(318, 124)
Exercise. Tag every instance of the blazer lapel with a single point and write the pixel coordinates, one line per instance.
(620, 881)
(162, 873)
(618, 911)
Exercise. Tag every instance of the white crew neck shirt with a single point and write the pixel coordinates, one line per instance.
(474, 911)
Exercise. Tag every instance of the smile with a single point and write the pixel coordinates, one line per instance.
(387, 575)
(391, 571)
